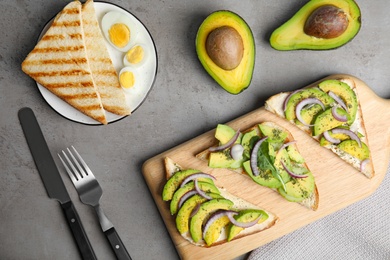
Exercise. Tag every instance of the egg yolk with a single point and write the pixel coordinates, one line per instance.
(127, 79)
(119, 35)
(135, 54)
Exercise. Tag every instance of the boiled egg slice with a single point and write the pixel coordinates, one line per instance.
(129, 79)
(136, 56)
(119, 30)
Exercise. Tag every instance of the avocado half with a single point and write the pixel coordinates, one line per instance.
(236, 80)
(291, 35)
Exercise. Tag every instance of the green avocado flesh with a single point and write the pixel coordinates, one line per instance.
(205, 210)
(352, 147)
(179, 193)
(184, 214)
(214, 231)
(174, 182)
(325, 121)
(292, 36)
(301, 95)
(346, 93)
(246, 216)
(238, 79)
(299, 189)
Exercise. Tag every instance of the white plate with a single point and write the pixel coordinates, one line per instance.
(148, 71)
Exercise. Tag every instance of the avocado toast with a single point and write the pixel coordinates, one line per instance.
(207, 215)
(330, 112)
(269, 156)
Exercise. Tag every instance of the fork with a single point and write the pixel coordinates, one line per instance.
(90, 192)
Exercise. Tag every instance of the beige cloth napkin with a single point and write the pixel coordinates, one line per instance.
(360, 231)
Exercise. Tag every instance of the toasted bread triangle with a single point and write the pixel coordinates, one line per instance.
(312, 202)
(59, 63)
(275, 105)
(171, 167)
(102, 68)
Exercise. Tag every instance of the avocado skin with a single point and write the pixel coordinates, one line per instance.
(291, 36)
(233, 81)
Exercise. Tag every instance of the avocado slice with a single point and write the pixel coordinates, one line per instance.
(223, 159)
(301, 95)
(308, 114)
(352, 147)
(245, 216)
(214, 231)
(175, 180)
(265, 178)
(325, 121)
(179, 193)
(297, 32)
(345, 93)
(234, 80)
(184, 214)
(248, 140)
(298, 189)
(294, 154)
(274, 134)
(223, 133)
(205, 210)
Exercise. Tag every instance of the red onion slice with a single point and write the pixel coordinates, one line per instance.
(288, 98)
(227, 145)
(330, 139)
(185, 197)
(253, 158)
(291, 173)
(196, 176)
(214, 217)
(337, 116)
(302, 104)
(348, 132)
(286, 144)
(236, 152)
(200, 192)
(338, 100)
(363, 164)
(242, 224)
(195, 210)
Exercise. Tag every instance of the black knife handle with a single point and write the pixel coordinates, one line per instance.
(78, 231)
(116, 244)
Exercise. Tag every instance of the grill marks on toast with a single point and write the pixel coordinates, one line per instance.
(103, 72)
(59, 63)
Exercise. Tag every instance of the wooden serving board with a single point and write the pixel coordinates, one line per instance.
(339, 184)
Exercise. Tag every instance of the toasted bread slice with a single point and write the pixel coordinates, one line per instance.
(59, 63)
(275, 105)
(172, 167)
(311, 202)
(103, 72)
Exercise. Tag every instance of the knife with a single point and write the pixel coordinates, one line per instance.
(52, 179)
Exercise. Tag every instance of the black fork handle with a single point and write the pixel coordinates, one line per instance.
(116, 244)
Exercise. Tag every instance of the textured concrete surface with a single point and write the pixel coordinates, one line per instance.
(184, 103)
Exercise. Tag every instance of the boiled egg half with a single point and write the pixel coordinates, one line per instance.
(129, 79)
(119, 30)
(136, 56)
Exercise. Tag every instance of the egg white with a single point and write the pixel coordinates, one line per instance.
(113, 17)
(137, 87)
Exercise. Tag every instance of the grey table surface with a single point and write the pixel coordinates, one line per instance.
(184, 103)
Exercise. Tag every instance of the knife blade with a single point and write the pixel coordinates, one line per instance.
(52, 179)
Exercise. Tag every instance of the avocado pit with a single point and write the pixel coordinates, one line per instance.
(225, 47)
(326, 22)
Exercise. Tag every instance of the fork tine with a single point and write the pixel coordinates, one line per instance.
(89, 172)
(81, 171)
(70, 173)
